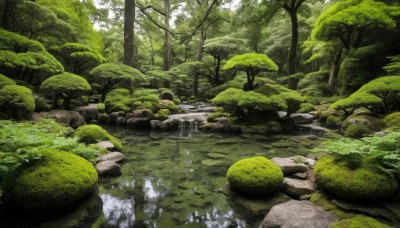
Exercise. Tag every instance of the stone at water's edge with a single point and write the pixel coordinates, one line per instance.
(297, 188)
(89, 112)
(288, 166)
(299, 214)
(113, 156)
(106, 145)
(70, 118)
(108, 168)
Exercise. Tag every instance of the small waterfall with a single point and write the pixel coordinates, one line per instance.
(187, 127)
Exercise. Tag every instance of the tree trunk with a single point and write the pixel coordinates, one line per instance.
(129, 38)
(217, 67)
(67, 103)
(199, 58)
(167, 49)
(7, 14)
(335, 67)
(293, 49)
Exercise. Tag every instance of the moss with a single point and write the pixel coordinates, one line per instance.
(323, 200)
(361, 183)
(5, 81)
(392, 119)
(167, 95)
(93, 133)
(167, 104)
(101, 107)
(58, 179)
(274, 127)
(16, 100)
(150, 105)
(256, 175)
(163, 114)
(374, 123)
(118, 100)
(177, 101)
(356, 130)
(334, 121)
(359, 221)
(137, 105)
(306, 108)
(215, 115)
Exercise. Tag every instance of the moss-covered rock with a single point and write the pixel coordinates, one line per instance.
(5, 81)
(372, 122)
(162, 114)
(177, 101)
(334, 121)
(256, 175)
(356, 130)
(16, 100)
(306, 108)
(118, 100)
(392, 119)
(364, 182)
(215, 115)
(58, 179)
(92, 133)
(167, 104)
(359, 221)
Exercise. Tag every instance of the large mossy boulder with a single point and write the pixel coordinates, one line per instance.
(92, 133)
(355, 184)
(58, 179)
(392, 119)
(359, 221)
(256, 175)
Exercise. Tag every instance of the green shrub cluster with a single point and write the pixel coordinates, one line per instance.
(16, 100)
(92, 133)
(306, 108)
(256, 175)
(5, 81)
(118, 100)
(162, 114)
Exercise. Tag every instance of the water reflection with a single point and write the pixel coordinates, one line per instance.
(117, 212)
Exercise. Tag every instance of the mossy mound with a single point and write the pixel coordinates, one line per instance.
(372, 122)
(360, 183)
(356, 130)
(256, 175)
(162, 114)
(58, 179)
(167, 104)
(92, 133)
(392, 119)
(359, 222)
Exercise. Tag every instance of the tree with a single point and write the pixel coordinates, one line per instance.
(252, 64)
(108, 75)
(219, 48)
(353, 23)
(129, 34)
(66, 86)
(25, 59)
(78, 58)
(16, 100)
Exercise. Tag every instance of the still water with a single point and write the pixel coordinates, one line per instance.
(176, 180)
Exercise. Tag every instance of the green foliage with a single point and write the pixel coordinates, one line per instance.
(92, 133)
(5, 81)
(118, 100)
(393, 68)
(27, 56)
(150, 100)
(59, 178)
(167, 104)
(381, 92)
(101, 107)
(256, 175)
(215, 115)
(108, 75)
(159, 79)
(313, 83)
(359, 221)
(217, 89)
(16, 100)
(162, 114)
(363, 182)
(306, 108)
(392, 119)
(378, 152)
(66, 86)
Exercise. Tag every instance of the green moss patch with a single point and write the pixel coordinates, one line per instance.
(58, 179)
(92, 133)
(256, 175)
(359, 183)
(359, 222)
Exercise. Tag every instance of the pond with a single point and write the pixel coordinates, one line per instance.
(178, 180)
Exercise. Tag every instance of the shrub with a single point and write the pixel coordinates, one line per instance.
(256, 175)
(58, 179)
(93, 133)
(118, 100)
(306, 108)
(363, 182)
(162, 114)
(359, 221)
(392, 119)
(149, 99)
(356, 130)
(215, 115)
(66, 86)
(334, 121)
(16, 100)
(5, 81)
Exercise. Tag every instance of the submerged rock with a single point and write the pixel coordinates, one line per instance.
(299, 214)
(297, 188)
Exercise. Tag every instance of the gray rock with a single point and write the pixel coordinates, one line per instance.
(299, 214)
(106, 144)
(112, 118)
(300, 176)
(222, 124)
(167, 95)
(145, 113)
(167, 125)
(302, 118)
(108, 168)
(121, 121)
(138, 123)
(296, 187)
(113, 156)
(89, 112)
(71, 118)
(155, 124)
(288, 166)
